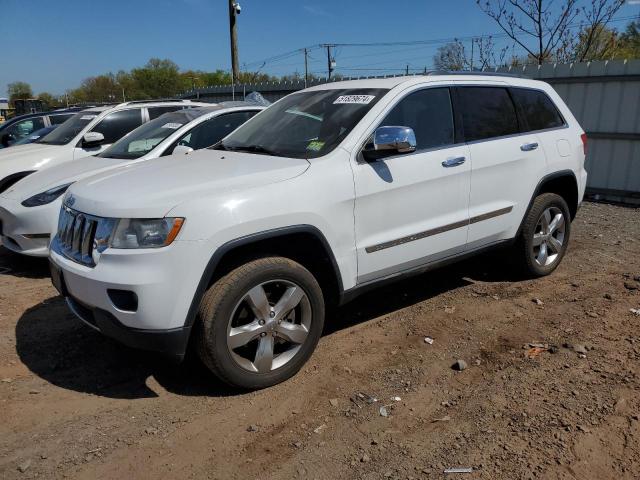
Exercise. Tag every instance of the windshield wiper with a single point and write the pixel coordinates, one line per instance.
(259, 149)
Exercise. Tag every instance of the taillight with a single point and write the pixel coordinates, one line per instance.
(583, 137)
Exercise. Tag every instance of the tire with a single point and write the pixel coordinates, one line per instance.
(535, 235)
(243, 316)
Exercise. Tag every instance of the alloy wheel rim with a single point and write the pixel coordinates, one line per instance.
(268, 326)
(548, 237)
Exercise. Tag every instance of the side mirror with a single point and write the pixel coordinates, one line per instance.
(182, 150)
(7, 139)
(92, 139)
(389, 141)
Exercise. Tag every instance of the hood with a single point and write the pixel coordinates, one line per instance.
(32, 156)
(64, 173)
(152, 188)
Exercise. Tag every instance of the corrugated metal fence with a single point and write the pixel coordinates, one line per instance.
(604, 97)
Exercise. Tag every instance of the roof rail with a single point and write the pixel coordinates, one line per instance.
(466, 72)
(153, 100)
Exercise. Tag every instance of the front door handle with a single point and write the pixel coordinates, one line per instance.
(453, 162)
(527, 147)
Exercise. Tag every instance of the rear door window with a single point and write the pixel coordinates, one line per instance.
(61, 118)
(155, 112)
(429, 113)
(538, 110)
(117, 124)
(26, 127)
(487, 112)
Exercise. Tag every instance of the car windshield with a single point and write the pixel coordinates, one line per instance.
(68, 130)
(305, 124)
(147, 137)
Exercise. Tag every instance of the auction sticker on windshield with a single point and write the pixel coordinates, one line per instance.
(358, 99)
(88, 117)
(315, 145)
(172, 125)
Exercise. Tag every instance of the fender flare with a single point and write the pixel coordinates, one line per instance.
(221, 251)
(543, 180)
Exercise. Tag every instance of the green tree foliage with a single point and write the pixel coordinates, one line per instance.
(49, 100)
(159, 78)
(629, 41)
(19, 90)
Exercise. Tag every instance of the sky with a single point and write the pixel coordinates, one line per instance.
(54, 45)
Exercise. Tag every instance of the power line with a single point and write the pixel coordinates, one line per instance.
(419, 44)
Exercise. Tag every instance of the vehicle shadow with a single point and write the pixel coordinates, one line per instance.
(490, 267)
(22, 266)
(59, 348)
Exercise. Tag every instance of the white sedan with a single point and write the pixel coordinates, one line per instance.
(29, 209)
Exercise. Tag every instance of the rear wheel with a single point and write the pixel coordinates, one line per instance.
(544, 235)
(261, 322)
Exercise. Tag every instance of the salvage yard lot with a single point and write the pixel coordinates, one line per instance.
(76, 405)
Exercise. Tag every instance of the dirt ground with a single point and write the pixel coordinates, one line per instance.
(76, 405)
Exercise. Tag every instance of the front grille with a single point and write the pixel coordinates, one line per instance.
(76, 235)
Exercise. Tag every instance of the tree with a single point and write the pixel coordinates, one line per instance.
(158, 79)
(594, 43)
(543, 28)
(629, 41)
(481, 55)
(451, 56)
(49, 100)
(19, 90)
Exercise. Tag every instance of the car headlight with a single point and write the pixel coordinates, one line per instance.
(146, 232)
(46, 196)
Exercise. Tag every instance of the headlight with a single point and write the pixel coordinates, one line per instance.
(45, 197)
(145, 233)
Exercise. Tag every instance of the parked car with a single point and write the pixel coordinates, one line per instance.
(36, 135)
(86, 133)
(17, 128)
(327, 193)
(29, 209)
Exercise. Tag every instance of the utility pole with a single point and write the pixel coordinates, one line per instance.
(330, 63)
(306, 69)
(407, 70)
(124, 99)
(234, 10)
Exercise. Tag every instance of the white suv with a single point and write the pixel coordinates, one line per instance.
(86, 133)
(328, 192)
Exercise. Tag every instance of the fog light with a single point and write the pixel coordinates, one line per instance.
(125, 300)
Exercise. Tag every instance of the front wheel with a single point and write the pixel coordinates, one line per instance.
(544, 235)
(260, 323)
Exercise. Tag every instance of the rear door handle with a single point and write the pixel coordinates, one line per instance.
(527, 147)
(453, 162)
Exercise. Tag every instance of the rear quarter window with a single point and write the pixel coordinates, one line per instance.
(537, 108)
(487, 112)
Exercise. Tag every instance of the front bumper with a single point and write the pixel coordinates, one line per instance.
(28, 230)
(163, 281)
(168, 342)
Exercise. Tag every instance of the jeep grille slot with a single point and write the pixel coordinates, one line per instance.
(76, 233)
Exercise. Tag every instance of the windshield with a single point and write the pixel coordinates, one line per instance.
(147, 137)
(304, 125)
(68, 130)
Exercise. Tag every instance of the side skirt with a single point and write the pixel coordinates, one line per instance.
(361, 288)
